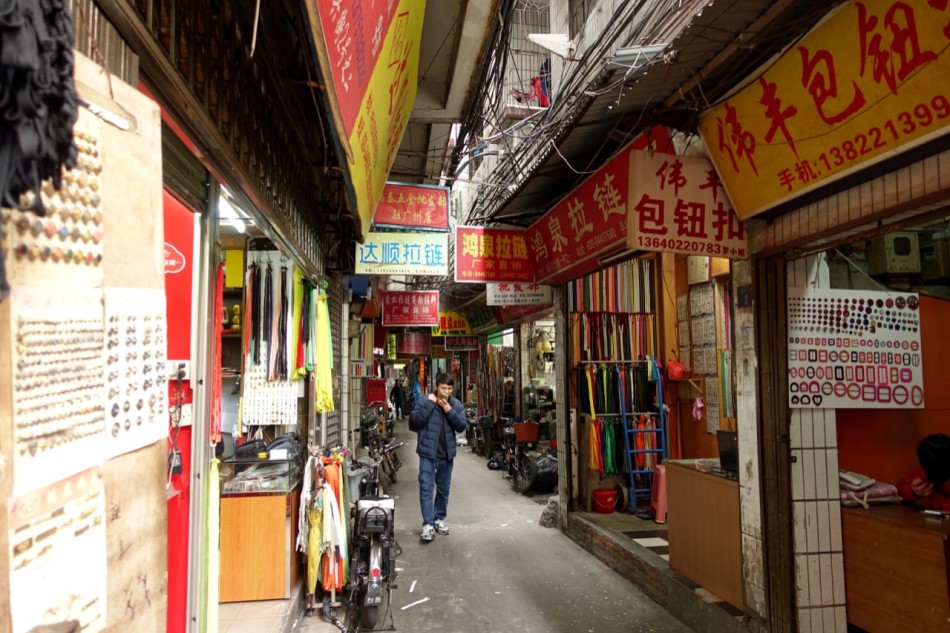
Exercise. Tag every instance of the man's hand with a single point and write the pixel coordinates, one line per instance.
(432, 398)
(921, 487)
(445, 405)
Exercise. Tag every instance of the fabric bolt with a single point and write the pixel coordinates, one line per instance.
(267, 303)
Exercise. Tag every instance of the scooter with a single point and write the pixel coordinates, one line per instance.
(373, 552)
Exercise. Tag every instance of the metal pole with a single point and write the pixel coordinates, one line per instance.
(201, 452)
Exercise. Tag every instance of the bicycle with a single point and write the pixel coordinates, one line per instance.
(518, 438)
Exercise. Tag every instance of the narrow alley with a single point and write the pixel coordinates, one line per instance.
(499, 570)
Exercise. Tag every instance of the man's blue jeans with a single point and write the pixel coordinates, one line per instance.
(438, 473)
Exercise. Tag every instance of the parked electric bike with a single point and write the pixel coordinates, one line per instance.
(373, 552)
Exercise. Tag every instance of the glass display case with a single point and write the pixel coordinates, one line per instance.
(246, 475)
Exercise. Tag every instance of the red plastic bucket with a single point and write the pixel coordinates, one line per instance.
(605, 500)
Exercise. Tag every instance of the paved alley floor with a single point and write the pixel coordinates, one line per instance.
(498, 570)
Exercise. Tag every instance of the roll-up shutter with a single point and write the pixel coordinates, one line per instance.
(182, 172)
(335, 305)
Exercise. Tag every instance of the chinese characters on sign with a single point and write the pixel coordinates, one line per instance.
(680, 207)
(417, 206)
(418, 308)
(854, 349)
(371, 57)
(483, 254)
(451, 323)
(590, 221)
(517, 294)
(403, 254)
(461, 343)
(863, 85)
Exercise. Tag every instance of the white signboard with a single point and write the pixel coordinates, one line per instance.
(517, 294)
(403, 254)
(851, 349)
(679, 206)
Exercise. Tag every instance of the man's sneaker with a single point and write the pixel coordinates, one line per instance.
(428, 533)
(441, 527)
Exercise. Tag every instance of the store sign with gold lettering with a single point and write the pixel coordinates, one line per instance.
(411, 308)
(679, 206)
(451, 323)
(403, 254)
(416, 206)
(867, 83)
(391, 346)
(517, 294)
(486, 254)
(591, 221)
(440, 351)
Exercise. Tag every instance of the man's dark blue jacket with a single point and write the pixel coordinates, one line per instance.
(426, 420)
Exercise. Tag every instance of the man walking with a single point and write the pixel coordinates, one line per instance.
(398, 397)
(436, 419)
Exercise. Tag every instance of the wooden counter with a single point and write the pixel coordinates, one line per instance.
(259, 560)
(895, 566)
(704, 532)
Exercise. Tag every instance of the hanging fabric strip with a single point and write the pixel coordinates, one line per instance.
(247, 335)
(296, 356)
(267, 309)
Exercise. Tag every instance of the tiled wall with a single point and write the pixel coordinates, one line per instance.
(819, 562)
(750, 499)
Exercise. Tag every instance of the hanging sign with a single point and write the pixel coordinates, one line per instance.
(867, 83)
(679, 206)
(461, 343)
(517, 294)
(451, 323)
(482, 318)
(591, 221)
(415, 308)
(403, 254)
(391, 347)
(369, 53)
(375, 391)
(440, 351)
(851, 349)
(484, 254)
(413, 344)
(416, 206)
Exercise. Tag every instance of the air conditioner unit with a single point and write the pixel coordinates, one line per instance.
(893, 254)
(934, 258)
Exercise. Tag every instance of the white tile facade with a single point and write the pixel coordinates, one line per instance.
(819, 563)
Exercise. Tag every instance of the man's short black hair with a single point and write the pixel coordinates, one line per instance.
(444, 379)
(933, 452)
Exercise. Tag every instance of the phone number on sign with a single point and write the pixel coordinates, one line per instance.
(922, 115)
(689, 246)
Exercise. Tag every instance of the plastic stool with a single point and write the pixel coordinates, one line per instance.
(658, 496)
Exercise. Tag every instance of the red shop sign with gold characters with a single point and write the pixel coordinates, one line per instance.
(410, 308)
(854, 349)
(867, 83)
(416, 206)
(485, 254)
(680, 207)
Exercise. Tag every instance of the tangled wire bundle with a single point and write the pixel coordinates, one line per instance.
(38, 101)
